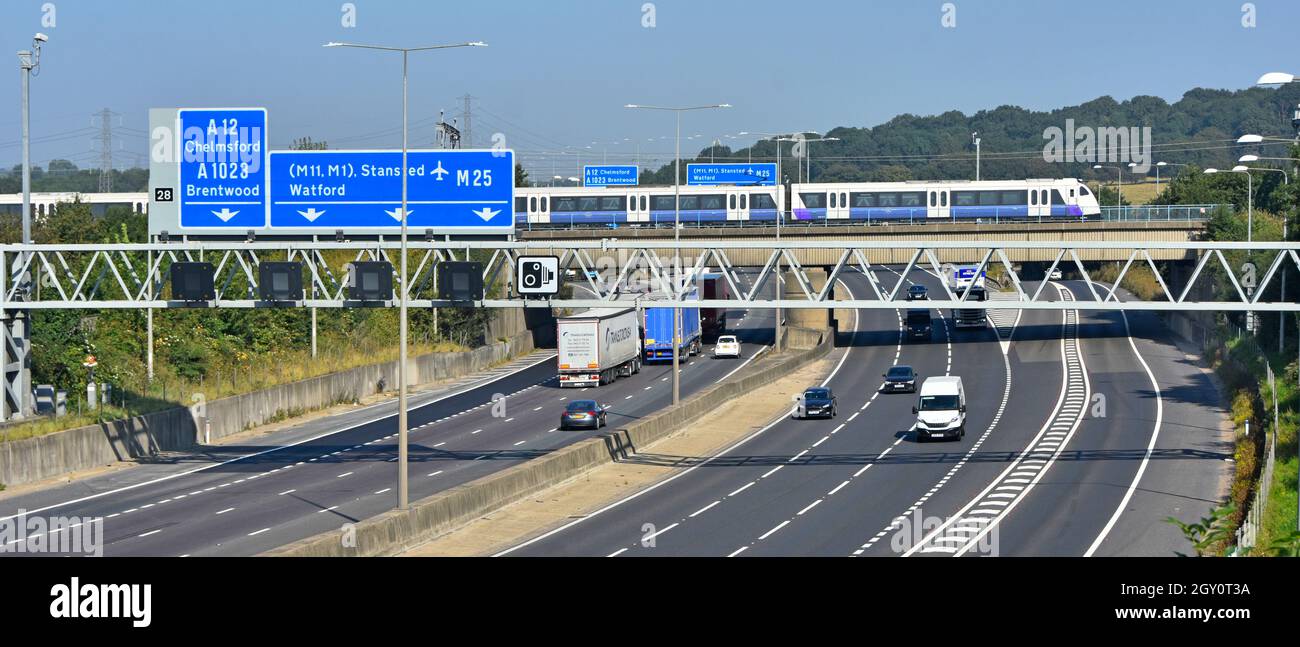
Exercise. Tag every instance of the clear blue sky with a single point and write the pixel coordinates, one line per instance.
(558, 72)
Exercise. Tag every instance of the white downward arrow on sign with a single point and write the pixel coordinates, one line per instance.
(486, 213)
(225, 214)
(311, 214)
(397, 213)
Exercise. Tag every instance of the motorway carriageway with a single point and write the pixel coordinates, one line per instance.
(251, 498)
(859, 484)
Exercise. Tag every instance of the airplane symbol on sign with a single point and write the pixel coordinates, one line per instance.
(225, 214)
(397, 213)
(440, 171)
(311, 214)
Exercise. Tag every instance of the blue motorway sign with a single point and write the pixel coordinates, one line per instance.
(460, 190)
(222, 168)
(760, 174)
(619, 175)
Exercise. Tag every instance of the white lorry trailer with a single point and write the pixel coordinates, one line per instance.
(597, 346)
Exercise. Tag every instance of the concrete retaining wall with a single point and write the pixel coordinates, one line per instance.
(33, 459)
(397, 530)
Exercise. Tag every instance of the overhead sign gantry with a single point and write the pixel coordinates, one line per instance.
(212, 175)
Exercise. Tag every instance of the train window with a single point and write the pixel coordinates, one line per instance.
(713, 202)
(835, 200)
(588, 204)
(546, 203)
(912, 199)
(532, 204)
(844, 200)
(1043, 196)
(864, 200)
(943, 199)
(988, 198)
(643, 201)
(731, 201)
(521, 204)
(566, 204)
(1056, 197)
(965, 198)
(662, 203)
(813, 200)
(1083, 190)
(690, 203)
(1033, 198)
(762, 201)
(744, 201)
(613, 203)
(934, 198)
(1071, 193)
(1015, 197)
(887, 199)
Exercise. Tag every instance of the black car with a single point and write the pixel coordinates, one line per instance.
(900, 378)
(817, 402)
(580, 414)
(917, 293)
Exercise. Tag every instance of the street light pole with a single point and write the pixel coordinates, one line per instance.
(677, 251)
(403, 492)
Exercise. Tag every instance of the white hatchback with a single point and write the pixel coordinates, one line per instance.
(727, 346)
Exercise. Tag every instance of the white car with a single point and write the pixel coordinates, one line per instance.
(1055, 275)
(727, 346)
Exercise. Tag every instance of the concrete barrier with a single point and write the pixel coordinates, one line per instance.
(399, 530)
(51, 455)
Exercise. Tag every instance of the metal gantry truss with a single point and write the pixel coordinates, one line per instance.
(129, 276)
(134, 276)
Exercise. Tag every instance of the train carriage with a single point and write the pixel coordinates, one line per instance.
(943, 201)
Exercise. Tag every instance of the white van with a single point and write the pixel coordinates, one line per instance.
(941, 409)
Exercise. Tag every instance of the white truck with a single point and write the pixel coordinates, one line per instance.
(940, 409)
(597, 346)
(961, 280)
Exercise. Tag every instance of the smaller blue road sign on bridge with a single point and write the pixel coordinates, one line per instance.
(222, 168)
(614, 175)
(448, 191)
(740, 174)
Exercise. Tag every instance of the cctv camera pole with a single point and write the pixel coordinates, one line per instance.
(28, 61)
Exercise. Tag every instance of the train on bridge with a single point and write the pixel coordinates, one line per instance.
(916, 202)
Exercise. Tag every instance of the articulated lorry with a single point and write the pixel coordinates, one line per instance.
(659, 332)
(963, 279)
(713, 321)
(597, 346)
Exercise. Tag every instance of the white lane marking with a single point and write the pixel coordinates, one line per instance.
(225, 511)
(343, 475)
(1151, 445)
(475, 432)
(435, 473)
(333, 507)
(778, 420)
(520, 443)
(258, 532)
(746, 363)
(738, 551)
(151, 532)
(741, 488)
(774, 529)
(659, 532)
(196, 470)
(383, 490)
(810, 506)
(705, 508)
(617, 552)
(439, 445)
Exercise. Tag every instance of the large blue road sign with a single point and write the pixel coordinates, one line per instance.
(447, 190)
(222, 168)
(726, 173)
(619, 175)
